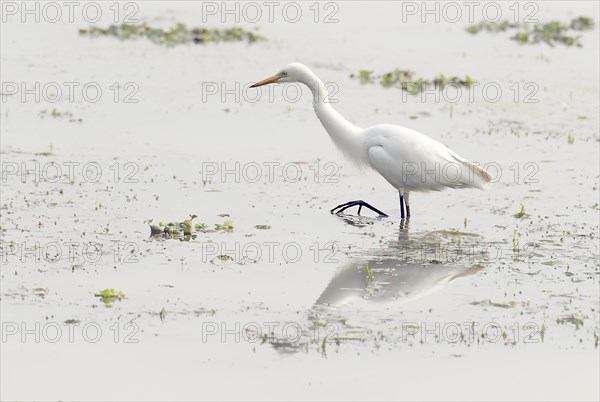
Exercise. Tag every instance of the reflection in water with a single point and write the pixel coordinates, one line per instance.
(405, 270)
(361, 221)
(390, 279)
(412, 267)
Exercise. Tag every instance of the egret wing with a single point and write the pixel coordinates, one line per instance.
(410, 160)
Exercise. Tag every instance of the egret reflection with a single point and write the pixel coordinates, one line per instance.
(411, 268)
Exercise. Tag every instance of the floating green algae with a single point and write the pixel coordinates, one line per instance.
(551, 33)
(108, 296)
(408, 81)
(177, 35)
(185, 230)
(521, 213)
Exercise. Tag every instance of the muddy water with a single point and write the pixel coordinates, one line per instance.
(467, 301)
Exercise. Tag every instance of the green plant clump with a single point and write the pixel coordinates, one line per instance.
(108, 296)
(179, 34)
(407, 81)
(551, 33)
(186, 230)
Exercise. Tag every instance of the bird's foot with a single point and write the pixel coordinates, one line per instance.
(342, 207)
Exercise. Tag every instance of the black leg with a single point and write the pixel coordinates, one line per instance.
(407, 211)
(342, 207)
(402, 216)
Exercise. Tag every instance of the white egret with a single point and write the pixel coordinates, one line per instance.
(408, 160)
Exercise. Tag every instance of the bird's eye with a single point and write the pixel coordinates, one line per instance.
(284, 74)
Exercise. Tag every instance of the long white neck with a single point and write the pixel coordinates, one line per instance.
(344, 134)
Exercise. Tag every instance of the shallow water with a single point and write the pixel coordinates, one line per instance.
(466, 302)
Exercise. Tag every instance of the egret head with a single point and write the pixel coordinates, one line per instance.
(293, 72)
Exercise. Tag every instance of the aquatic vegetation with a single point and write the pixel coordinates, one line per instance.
(57, 114)
(492, 27)
(324, 346)
(542, 331)
(570, 319)
(156, 229)
(410, 328)
(407, 81)
(226, 226)
(582, 24)
(188, 222)
(263, 227)
(72, 321)
(364, 76)
(550, 33)
(488, 302)
(186, 225)
(176, 35)
(174, 230)
(162, 314)
(515, 241)
(521, 213)
(49, 152)
(108, 296)
(570, 138)
(200, 226)
(185, 230)
(453, 232)
(567, 272)
(222, 258)
(369, 273)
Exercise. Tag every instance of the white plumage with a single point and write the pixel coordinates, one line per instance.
(407, 159)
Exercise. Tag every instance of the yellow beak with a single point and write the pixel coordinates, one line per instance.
(269, 80)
